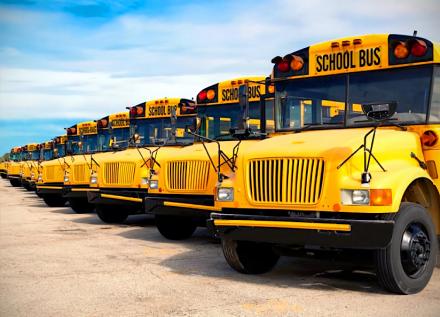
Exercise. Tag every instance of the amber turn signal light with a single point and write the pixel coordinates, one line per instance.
(401, 50)
(381, 197)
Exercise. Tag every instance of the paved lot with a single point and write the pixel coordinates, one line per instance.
(57, 263)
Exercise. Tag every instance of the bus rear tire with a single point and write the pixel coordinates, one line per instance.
(54, 201)
(15, 182)
(175, 227)
(405, 266)
(28, 187)
(3, 175)
(249, 257)
(111, 214)
(81, 205)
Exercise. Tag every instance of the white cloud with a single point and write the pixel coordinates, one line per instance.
(58, 67)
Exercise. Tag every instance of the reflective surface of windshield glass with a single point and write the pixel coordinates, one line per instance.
(217, 120)
(434, 116)
(157, 131)
(120, 137)
(320, 101)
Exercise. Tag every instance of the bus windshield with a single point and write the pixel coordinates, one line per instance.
(89, 143)
(72, 144)
(217, 120)
(15, 157)
(120, 136)
(154, 131)
(47, 154)
(321, 101)
(60, 150)
(34, 155)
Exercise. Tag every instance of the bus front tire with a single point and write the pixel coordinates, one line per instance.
(15, 182)
(249, 257)
(405, 266)
(175, 227)
(54, 201)
(111, 214)
(81, 205)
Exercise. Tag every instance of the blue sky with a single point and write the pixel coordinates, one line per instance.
(63, 62)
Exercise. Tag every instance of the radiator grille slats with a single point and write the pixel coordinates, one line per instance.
(188, 175)
(80, 173)
(119, 173)
(286, 180)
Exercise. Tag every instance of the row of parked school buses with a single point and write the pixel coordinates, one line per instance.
(337, 149)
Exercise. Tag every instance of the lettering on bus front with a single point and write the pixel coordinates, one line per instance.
(231, 94)
(88, 130)
(161, 110)
(120, 123)
(348, 60)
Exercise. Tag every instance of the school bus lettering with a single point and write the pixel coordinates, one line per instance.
(348, 60)
(231, 94)
(88, 130)
(161, 110)
(120, 123)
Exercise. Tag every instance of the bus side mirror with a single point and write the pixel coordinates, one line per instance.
(379, 111)
(112, 144)
(80, 145)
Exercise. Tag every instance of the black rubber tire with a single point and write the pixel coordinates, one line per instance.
(3, 175)
(175, 227)
(28, 187)
(389, 268)
(15, 182)
(81, 205)
(111, 214)
(249, 257)
(54, 200)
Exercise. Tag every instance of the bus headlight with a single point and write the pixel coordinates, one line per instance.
(94, 179)
(355, 197)
(32, 176)
(225, 194)
(154, 184)
(145, 181)
(66, 178)
(40, 178)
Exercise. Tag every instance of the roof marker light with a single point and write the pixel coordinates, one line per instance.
(419, 48)
(401, 50)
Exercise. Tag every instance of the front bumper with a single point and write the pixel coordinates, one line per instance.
(77, 191)
(52, 189)
(116, 197)
(14, 176)
(301, 231)
(180, 205)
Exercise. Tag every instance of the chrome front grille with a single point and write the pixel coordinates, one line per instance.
(286, 180)
(119, 173)
(188, 175)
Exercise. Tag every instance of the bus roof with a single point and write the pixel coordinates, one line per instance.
(356, 53)
(161, 108)
(226, 92)
(117, 120)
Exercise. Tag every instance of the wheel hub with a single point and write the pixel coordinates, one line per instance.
(415, 250)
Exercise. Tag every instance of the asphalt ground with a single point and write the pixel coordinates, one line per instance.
(54, 262)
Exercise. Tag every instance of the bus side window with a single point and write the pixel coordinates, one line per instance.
(434, 116)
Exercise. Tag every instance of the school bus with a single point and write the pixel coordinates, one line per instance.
(111, 133)
(4, 169)
(50, 181)
(365, 178)
(47, 153)
(13, 167)
(189, 176)
(29, 164)
(121, 180)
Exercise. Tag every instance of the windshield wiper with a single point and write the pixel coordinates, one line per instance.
(316, 125)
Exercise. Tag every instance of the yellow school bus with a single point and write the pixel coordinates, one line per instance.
(50, 177)
(121, 180)
(189, 176)
(111, 134)
(364, 178)
(81, 144)
(13, 166)
(3, 169)
(29, 164)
